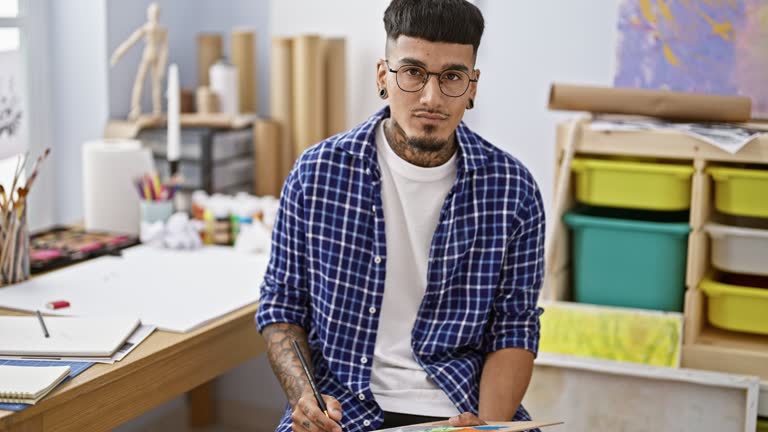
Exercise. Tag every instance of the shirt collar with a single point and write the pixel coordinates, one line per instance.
(360, 142)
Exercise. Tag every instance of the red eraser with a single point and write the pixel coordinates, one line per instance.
(58, 304)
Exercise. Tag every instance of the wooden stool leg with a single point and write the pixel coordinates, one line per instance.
(200, 405)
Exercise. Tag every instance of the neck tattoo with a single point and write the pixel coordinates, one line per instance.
(423, 152)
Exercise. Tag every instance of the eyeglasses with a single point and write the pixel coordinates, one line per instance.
(412, 78)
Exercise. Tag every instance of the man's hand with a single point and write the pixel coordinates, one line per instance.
(307, 416)
(465, 419)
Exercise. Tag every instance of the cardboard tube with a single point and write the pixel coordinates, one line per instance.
(655, 103)
(266, 154)
(209, 50)
(207, 102)
(308, 92)
(335, 86)
(243, 54)
(281, 99)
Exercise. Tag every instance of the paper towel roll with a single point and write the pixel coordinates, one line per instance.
(224, 82)
(110, 199)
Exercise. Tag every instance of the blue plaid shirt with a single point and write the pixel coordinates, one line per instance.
(327, 269)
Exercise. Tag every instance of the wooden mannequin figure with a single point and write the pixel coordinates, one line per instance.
(154, 58)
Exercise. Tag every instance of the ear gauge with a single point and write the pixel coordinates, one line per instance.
(471, 104)
(383, 93)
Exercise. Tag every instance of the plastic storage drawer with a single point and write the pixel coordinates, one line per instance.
(734, 303)
(740, 191)
(739, 250)
(635, 185)
(629, 263)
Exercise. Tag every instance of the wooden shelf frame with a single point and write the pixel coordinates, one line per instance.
(704, 346)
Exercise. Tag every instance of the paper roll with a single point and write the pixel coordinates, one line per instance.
(110, 198)
(209, 50)
(335, 86)
(266, 153)
(243, 54)
(655, 103)
(308, 92)
(281, 100)
(224, 82)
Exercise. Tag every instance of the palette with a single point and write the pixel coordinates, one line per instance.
(495, 427)
(64, 245)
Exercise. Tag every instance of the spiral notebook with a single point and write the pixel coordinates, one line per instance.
(21, 384)
(68, 336)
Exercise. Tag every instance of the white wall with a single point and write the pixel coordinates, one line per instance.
(527, 46)
(79, 107)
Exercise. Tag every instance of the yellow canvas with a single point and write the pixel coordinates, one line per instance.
(631, 335)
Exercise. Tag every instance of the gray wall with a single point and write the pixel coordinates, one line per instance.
(184, 20)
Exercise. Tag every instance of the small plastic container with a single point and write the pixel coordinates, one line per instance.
(626, 262)
(762, 425)
(737, 302)
(739, 250)
(631, 184)
(740, 191)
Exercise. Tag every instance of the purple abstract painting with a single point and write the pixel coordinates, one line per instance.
(702, 46)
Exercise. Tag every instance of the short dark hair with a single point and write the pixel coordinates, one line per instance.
(452, 21)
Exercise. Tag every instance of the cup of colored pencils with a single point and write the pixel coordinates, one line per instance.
(14, 231)
(156, 197)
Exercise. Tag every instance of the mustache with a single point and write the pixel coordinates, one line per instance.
(430, 111)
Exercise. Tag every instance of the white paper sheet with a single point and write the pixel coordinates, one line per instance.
(727, 137)
(176, 291)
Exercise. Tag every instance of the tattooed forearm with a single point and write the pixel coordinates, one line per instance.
(285, 363)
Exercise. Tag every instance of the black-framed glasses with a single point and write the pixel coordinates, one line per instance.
(413, 78)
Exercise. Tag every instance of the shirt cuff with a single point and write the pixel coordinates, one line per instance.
(516, 331)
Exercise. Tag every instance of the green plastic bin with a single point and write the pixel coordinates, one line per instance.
(762, 424)
(628, 262)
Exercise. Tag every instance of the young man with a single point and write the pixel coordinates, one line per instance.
(408, 252)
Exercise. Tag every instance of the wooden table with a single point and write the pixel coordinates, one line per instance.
(163, 367)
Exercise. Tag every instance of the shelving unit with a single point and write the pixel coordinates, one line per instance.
(704, 346)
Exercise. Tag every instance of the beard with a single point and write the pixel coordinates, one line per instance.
(427, 143)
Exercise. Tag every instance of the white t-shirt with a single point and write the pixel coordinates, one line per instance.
(412, 197)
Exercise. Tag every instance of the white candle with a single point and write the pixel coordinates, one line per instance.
(174, 113)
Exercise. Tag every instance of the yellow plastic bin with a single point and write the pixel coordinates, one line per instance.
(762, 424)
(631, 184)
(737, 302)
(740, 191)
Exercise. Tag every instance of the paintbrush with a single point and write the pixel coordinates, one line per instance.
(36, 167)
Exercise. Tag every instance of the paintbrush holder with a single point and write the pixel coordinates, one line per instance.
(14, 249)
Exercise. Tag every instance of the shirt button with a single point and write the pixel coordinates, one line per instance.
(363, 360)
(361, 396)
(368, 171)
(373, 208)
(377, 260)
(371, 310)
(366, 423)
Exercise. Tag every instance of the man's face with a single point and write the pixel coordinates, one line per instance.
(427, 115)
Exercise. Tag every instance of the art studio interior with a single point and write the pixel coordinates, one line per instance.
(383, 215)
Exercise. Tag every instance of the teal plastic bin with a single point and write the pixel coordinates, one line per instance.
(628, 262)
